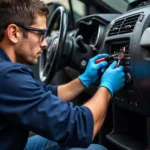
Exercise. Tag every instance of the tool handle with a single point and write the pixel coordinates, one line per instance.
(107, 58)
(99, 60)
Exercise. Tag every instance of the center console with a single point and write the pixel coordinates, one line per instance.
(126, 31)
(131, 105)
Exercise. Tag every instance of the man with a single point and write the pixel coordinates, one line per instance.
(28, 105)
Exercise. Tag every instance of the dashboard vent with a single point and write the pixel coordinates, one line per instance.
(129, 24)
(124, 25)
(116, 27)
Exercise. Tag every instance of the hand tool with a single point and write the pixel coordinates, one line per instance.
(107, 58)
(121, 56)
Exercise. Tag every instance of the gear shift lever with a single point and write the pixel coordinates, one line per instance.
(80, 42)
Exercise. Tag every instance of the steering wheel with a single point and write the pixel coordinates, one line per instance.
(49, 60)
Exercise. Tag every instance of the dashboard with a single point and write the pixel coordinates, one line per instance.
(127, 30)
(94, 27)
(108, 33)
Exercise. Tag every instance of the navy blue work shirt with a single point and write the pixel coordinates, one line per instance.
(28, 105)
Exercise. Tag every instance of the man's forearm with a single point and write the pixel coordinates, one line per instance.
(69, 91)
(98, 105)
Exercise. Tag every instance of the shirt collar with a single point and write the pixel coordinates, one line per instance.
(3, 55)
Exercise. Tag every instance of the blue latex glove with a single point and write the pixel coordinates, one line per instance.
(113, 78)
(91, 73)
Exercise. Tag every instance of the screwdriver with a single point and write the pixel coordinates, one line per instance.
(107, 58)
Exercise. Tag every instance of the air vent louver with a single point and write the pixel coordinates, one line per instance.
(124, 25)
(116, 27)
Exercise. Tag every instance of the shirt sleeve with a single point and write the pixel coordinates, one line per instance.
(53, 89)
(36, 107)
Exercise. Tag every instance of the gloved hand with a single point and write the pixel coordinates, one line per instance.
(91, 73)
(113, 78)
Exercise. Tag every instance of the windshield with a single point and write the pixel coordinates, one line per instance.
(79, 8)
(118, 5)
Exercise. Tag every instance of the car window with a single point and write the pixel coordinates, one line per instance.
(63, 2)
(119, 5)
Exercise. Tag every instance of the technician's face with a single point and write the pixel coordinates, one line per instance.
(29, 48)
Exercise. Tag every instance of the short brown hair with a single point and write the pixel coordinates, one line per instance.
(20, 11)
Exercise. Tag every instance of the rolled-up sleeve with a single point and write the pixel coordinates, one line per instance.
(36, 107)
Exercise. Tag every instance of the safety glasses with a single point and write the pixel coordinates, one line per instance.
(29, 28)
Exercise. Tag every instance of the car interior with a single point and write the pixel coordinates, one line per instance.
(107, 26)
